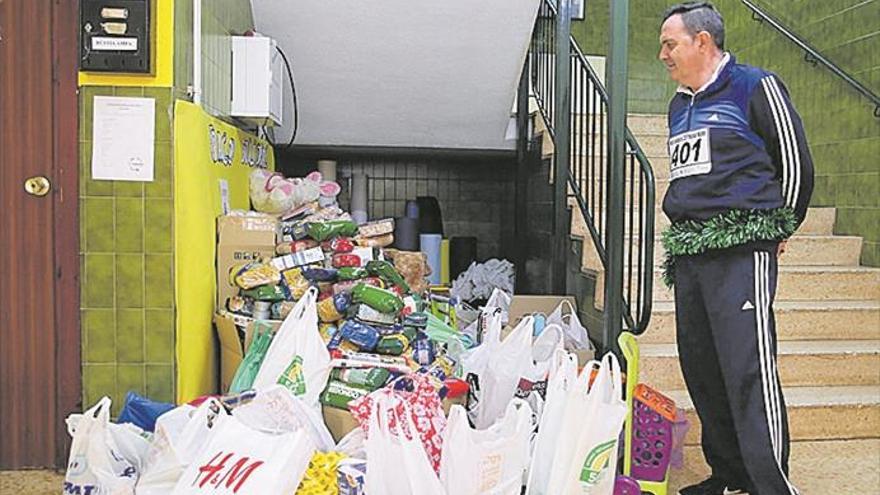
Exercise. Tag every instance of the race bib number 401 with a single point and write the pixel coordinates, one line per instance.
(690, 154)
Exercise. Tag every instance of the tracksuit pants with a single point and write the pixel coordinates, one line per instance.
(727, 347)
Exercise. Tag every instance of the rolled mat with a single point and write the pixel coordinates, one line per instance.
(359, 192)
(327, 169)
(406, 233)
(462, 252)
(444, 262)
(430, 218)
(412, 209)
(430, 245)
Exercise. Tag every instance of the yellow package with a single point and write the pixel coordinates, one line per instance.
(320, 477)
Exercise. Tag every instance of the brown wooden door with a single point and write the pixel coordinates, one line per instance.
(39, 296)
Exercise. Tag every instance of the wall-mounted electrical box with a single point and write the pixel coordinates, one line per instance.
(257, 80)
(115, 36)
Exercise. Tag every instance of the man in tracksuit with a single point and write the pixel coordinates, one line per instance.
(741, 177)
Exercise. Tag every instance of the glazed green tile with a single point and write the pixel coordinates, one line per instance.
(87, 95)
(160, 187)
(130, 377)
(158, 288)
(98, 287)
(89, 187)
(130, 335)
(129, 225)
(129, 281)
(98, 221)
(164, 111)
(98, 380)
(157, 225)
(160, 382)
(129, 91)
(98, 326)
(159, 336)
(129, 189)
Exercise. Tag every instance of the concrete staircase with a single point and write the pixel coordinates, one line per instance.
(828, 320)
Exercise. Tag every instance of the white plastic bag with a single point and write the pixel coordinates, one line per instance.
(275, 410)
(397, 464)
(298, 357)
(563, 375)
(180, 435)
(585, 458)
(96, 463)
(576, 337)
(490, 461)
(243, 461)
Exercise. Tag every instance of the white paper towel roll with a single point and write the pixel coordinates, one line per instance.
(327, 169)
(430, 245)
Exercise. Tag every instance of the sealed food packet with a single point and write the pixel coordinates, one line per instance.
(253, 275)
(379, 299)
(380, 241)
(339, 394)
(321, 231)
(371, 378)
(320, 476)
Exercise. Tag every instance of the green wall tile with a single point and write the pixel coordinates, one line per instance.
(160, 382)
(130, 377)
(130, 335)
(98, 327)
(159, 288)
(98, 224)
(159, 333)
(98, 286)
(158, 225)
(164, 111)
(129, 189)
(129, 225)
(161, 185)
(98, 380)
(125, 91)
(129, 281)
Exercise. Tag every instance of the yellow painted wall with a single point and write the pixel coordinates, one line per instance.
(197, 204)
(163, 52)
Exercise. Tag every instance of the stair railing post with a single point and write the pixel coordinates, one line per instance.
(561, 158)
(523, 135)
(614, 233)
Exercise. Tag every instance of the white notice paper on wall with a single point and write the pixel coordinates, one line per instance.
(123, 134)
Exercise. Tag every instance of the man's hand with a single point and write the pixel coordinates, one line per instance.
(781, 248)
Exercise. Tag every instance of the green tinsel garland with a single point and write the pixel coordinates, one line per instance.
(727, 230)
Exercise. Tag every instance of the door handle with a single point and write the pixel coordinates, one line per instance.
(37, 186)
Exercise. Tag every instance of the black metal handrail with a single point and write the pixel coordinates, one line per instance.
(812, 55)
(590, 162)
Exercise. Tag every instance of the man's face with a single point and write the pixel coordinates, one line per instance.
(680, 52)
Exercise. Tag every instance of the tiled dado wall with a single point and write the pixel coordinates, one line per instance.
(127, 306)
(220, 20)
(843, 134)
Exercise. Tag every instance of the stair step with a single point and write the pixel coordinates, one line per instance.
(795, 320)
(819, 221)
(814, 413)
(811, 283)
(800, 363)
(640, 124)
(847, 467)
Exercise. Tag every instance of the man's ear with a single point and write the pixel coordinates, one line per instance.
(704, 40)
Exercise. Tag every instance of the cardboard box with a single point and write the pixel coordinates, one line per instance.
(524, 305)
(235, 334)
(240, 239)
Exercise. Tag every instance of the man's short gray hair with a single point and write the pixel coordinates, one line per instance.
(699, 16)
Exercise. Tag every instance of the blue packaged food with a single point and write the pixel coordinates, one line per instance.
(424, 352)
(360, 334)
(342, 301)
(320, 274)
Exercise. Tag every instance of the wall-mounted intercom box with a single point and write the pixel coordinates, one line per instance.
(115, 36)
(257, 80)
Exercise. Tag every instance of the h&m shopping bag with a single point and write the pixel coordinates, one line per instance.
(242, 461)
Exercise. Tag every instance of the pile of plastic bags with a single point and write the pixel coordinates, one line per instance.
(560, 437)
